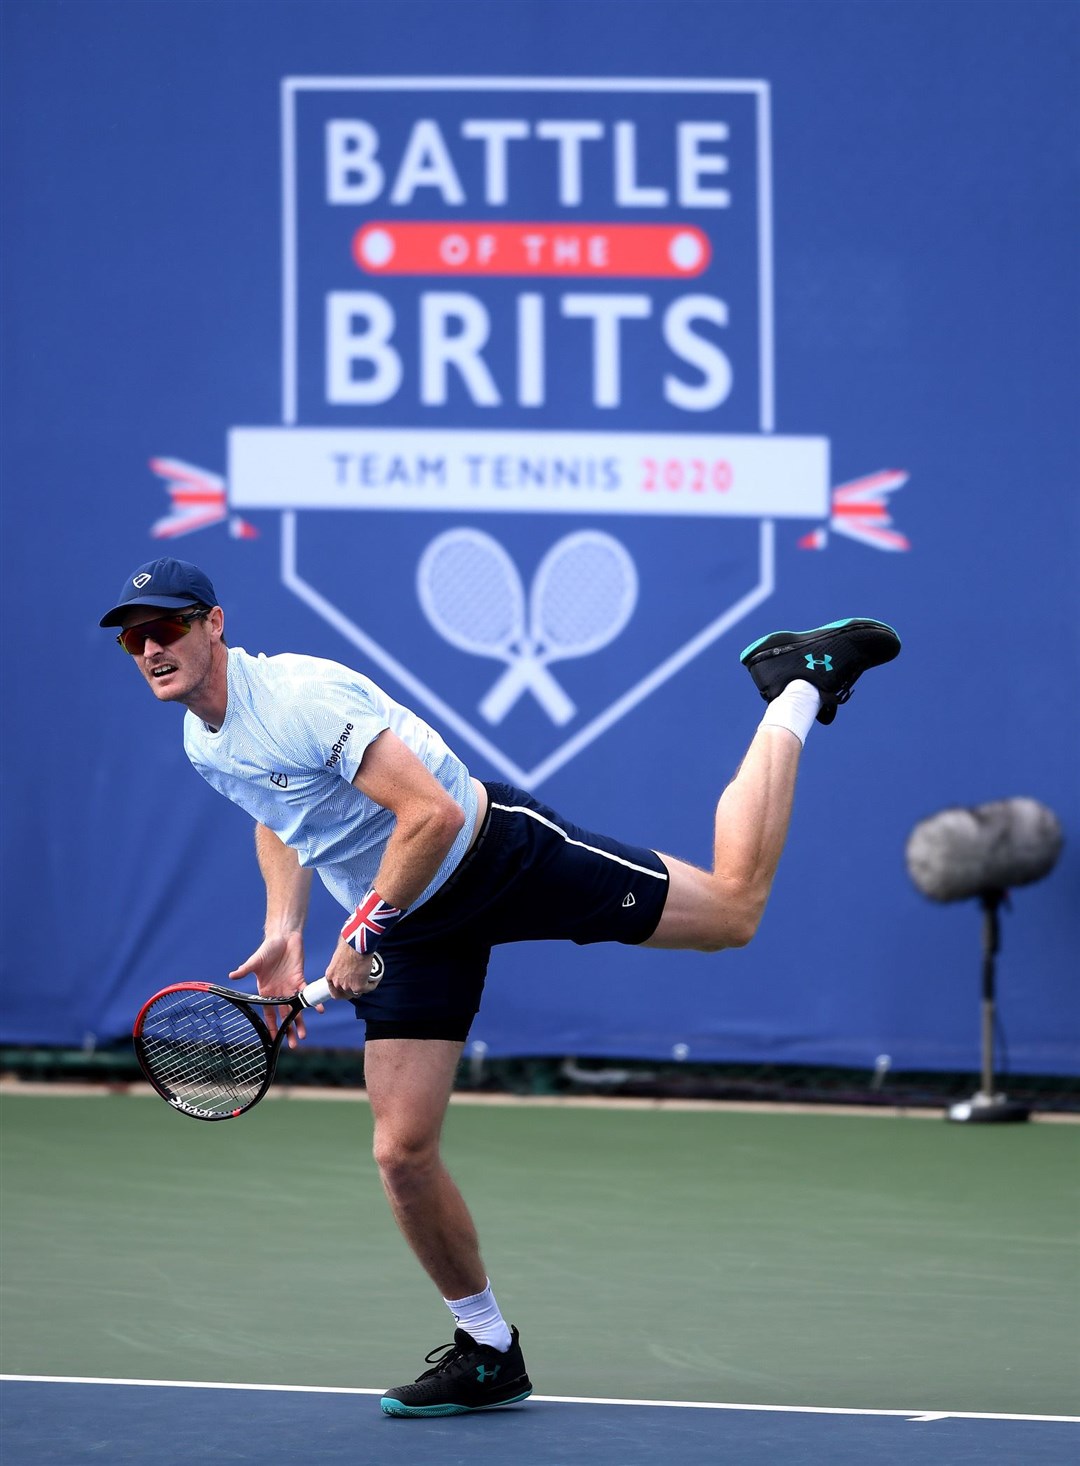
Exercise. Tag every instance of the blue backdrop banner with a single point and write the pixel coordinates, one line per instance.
(534, 359)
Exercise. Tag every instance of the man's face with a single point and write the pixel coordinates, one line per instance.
(179, 669)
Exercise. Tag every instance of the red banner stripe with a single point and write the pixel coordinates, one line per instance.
(646, 251)
(872, 513)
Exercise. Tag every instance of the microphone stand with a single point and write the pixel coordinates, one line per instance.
(985, 1106)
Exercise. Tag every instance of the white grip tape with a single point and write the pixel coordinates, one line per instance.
(319, 992)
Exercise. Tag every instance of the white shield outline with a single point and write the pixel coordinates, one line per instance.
(332, 614)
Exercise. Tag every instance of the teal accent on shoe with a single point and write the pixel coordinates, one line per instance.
(753, 645)
(835, 625)
(824, 662)
(395, 1407)
(746, 651)
(829, 626)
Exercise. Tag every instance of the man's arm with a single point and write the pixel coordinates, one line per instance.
(428, 819)
(288, 884)
(278, 962)
(428, 822)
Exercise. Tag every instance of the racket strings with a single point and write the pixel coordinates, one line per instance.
(204, 1051)
(585, 592)
(471, 591)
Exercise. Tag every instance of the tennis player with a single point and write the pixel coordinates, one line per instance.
(434, 868)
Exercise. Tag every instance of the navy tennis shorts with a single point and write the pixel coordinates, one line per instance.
(530, 876)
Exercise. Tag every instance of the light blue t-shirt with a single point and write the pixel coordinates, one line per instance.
(294, 733)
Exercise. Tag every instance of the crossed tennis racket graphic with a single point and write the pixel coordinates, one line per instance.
(582, 595)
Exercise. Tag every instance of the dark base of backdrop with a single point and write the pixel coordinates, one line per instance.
(630, 1079)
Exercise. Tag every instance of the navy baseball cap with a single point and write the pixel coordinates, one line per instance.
(171, 584)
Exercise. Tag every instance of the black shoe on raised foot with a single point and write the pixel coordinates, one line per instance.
(465, 1376)
(832, 657)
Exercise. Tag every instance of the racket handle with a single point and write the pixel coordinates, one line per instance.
(319, 992)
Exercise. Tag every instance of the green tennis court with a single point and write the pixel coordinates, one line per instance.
(831, 1260)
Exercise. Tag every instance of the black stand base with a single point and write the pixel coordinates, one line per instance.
(988, 1109)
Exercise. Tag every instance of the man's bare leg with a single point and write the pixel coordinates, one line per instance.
(709, 910)
(804, 677)
(409, 1082)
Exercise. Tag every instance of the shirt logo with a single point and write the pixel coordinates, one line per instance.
(280, 781)
(335, 752)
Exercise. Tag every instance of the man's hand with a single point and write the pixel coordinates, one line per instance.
(278, 967)
(349, 974)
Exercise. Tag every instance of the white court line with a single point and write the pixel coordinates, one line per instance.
(191, 1384)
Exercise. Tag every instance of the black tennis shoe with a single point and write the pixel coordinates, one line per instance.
(465, 1376)
(831, 657)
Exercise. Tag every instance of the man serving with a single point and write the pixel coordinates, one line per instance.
(434, 868)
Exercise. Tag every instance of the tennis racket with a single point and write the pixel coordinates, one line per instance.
(206, 1049)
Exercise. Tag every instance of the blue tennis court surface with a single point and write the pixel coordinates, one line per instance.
(63, 1422)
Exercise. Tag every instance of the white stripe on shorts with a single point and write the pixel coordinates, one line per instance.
(661, 875)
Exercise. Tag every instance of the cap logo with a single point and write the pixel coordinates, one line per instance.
(141, 580)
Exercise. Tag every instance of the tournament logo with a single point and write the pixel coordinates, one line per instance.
(528, 353)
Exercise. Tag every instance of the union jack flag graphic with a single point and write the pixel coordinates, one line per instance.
(371, 920)
(198, 500)
(859, 511)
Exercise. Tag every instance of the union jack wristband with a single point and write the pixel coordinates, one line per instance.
(370, 922)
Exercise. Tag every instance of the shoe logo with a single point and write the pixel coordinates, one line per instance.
(825, 661)
(628, 899)
(483, 1374)
(280, 781)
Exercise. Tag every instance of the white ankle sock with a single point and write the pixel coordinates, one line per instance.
(479, 1316)
(794, 709)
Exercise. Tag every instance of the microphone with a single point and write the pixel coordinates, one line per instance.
(961, 853)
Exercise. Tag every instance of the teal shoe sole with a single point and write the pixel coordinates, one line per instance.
(395, 1407)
